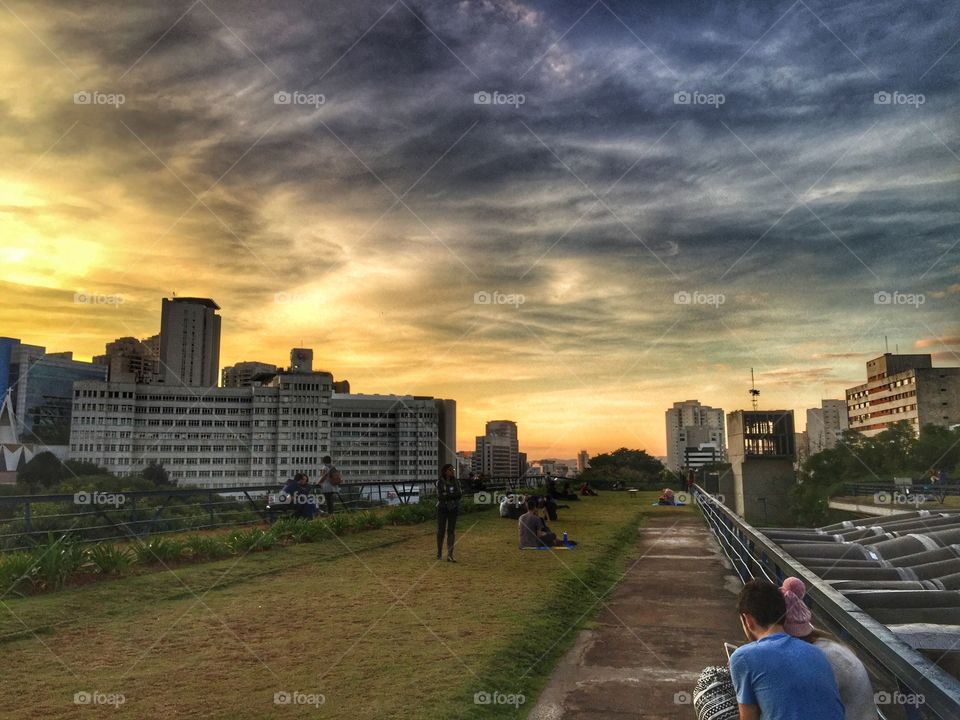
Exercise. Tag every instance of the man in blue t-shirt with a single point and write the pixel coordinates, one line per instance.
(776, 676)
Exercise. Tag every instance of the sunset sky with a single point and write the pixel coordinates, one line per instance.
(364, 225)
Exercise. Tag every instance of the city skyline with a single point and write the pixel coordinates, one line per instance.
(619, 240)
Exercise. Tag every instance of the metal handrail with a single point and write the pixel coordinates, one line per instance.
(940, 690)
(208, 508)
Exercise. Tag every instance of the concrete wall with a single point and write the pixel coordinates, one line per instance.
(762, 490)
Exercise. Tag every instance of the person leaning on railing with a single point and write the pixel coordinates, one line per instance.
(853, 681)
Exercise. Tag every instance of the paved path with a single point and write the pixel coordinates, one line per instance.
(666, 620)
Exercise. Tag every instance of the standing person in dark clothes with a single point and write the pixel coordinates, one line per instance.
(448, 505)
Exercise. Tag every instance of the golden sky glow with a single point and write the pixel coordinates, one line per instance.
(364, 228)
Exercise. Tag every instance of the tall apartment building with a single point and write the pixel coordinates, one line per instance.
(190, 342)
(904, 388)
(583, 461)
(497, 452)
(825, 426)
(128, 359)
(386, 437)
(41, 388)
(245, 374)
(689, 425)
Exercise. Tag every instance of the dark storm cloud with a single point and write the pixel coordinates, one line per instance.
(691, 196)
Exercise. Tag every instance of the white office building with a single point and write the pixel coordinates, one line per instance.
(207, 437)
(825, 425)
(690, 425)
(387, 437)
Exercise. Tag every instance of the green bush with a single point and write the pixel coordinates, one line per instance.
(243, 541)
(337, 523)
(16, 573)
(159, 550)
(366, 520)
(56, 560)
(201, 547)
(109, 559)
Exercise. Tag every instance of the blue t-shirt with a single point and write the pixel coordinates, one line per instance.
(789, 679)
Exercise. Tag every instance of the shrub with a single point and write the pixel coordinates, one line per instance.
(109, 559)
(16, 573)
(56, 560)
(201, 547)
(337, 523)
(159, 549)
(244, 541)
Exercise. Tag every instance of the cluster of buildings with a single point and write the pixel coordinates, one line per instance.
(157, 400)
(497, 454)
(898, 388)
(763, 447)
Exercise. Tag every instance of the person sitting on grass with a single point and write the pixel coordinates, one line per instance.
(533, 528)
(585, 489)
(510, 507)
(667, 498)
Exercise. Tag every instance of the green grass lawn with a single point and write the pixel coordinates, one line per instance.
(369, 621)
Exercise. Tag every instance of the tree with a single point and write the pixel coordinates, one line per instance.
(42, 472)
(156, 474)
(624, 465)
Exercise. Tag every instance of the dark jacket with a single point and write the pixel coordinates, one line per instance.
(449, 493)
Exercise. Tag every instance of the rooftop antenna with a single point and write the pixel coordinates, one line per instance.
(754, 393)
(886, 344)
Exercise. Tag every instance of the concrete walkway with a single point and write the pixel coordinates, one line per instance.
(666, 620)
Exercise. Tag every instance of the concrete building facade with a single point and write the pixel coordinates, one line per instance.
(825, 426)
(386, 437)
(219, 438)
(904, 388)
(128, 359)
(497, 452)
(689, 425)
(190, 342)
(247, 373)
(762, 455)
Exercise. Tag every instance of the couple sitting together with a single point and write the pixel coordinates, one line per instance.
(533, 529)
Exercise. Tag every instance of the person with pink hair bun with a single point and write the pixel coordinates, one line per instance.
(853, 682)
